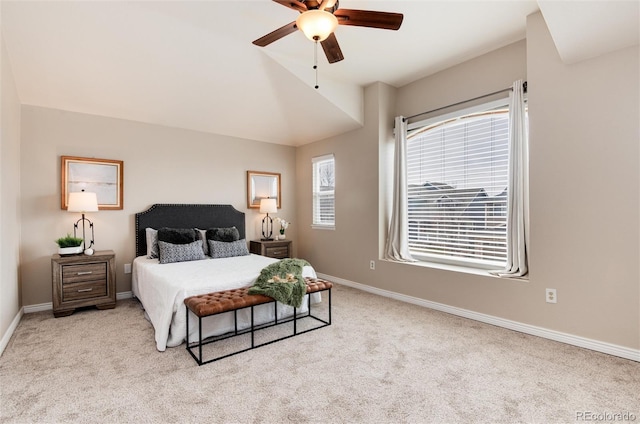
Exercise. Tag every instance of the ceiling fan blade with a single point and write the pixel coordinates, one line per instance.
(276, 35)
(332, 49)
(369, 18)
(293, 4)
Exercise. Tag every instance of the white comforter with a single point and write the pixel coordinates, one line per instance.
(162, 288)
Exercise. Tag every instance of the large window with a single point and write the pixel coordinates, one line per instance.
(457, 178)
(324, 180)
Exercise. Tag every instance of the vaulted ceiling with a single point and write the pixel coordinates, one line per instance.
(191, 64)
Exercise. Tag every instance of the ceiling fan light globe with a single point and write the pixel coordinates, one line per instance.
(317, 24)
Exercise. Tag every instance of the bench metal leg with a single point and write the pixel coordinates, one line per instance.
(235, 322)
(252, 328)
(198, 359)
(329, 306)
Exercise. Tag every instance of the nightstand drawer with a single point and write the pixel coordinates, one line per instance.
(277, 252)
(84, 272)
(278, 249)
(87, 290)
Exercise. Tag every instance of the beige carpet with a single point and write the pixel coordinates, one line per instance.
(382, 361)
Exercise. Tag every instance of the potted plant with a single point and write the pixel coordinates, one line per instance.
(69, 245)
(283, 226)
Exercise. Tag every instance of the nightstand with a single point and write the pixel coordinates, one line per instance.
(81, 280)
(278, 249)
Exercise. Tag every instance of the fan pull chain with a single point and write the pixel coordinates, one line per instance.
(315, 60)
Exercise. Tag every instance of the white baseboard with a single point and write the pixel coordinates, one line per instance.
(7, 335)
(39, 307)
(608, 348)
(124, 295)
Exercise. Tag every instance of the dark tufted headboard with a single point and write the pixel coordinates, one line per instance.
(186, 216)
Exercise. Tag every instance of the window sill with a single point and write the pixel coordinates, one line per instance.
(458, 268)
(323, 227)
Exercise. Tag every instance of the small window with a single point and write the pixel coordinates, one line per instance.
(324, 180)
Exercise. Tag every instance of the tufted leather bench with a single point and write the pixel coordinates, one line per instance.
(209, 304)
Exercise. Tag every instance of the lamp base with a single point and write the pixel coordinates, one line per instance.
(267, 228)
(84, 238)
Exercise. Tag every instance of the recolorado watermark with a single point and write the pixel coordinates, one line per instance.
(605, 416)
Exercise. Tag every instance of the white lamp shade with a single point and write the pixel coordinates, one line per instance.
(82, 202)
(317, 23)
(268, 206)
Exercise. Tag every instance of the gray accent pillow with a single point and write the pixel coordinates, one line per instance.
(221, 249)
(178, 235)
(180, 252)
(223, 234)
(152, 243)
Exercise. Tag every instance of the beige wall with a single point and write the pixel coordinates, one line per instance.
(584, 192)
(161, 165)
(584, 145)
(10, 194)
(585, 188)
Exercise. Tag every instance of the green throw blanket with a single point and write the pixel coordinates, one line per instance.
(282, 281)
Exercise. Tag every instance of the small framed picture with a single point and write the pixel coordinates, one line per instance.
(262, 185)
(101, 176)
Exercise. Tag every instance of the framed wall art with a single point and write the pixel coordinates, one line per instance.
(101, 176)
(262, 185)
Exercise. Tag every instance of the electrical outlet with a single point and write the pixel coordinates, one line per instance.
(372, 265)
(127, 268)
(552, 296)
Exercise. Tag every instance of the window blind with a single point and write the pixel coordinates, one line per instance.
(457, 178)
(324, 191)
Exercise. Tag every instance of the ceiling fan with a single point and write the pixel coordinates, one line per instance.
(318, 20)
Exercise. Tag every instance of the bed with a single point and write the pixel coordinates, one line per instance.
(162, 287)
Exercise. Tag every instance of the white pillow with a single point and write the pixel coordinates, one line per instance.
(152, 243)
(203, 237)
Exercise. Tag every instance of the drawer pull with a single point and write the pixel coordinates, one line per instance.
(85, 273)
(84, 290)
